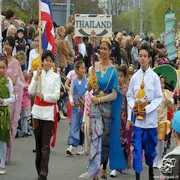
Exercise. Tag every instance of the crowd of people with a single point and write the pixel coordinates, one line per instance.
(96, 83)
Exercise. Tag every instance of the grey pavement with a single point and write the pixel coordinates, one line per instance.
(61, 166)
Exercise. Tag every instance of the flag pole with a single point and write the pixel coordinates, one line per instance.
(0, 26)
(40, 43)
(179, 43)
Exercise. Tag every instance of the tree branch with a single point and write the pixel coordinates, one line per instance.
(15, 4)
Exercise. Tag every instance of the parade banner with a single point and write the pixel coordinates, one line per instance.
(97, 25)
(171, 49)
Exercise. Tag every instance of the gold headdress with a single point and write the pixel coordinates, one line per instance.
(106, 39)
(131, 69)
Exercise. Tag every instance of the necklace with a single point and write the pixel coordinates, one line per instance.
(103, 71)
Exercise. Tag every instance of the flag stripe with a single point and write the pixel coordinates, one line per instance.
(48, 40)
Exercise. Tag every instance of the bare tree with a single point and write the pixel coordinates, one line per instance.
(87, 7)
(29, 7)
(112, 6)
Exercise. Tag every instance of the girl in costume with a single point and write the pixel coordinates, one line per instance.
(104, 115)
(26, 106)
(6, 98)
(124, 133)
(14, 72)
(70, 77)
(77, 96)
(163, 123)
(44, 110)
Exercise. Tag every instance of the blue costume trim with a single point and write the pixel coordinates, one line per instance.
(117, 159)
(116, 155)
(144, 139)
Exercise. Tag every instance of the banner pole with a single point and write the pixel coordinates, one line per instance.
(40, 42)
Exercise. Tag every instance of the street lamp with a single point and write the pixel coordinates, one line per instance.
(141, 17)
(133, 17)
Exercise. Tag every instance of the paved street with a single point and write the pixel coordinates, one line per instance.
(61, 167)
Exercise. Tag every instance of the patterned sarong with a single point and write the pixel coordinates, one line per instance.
(100, 126)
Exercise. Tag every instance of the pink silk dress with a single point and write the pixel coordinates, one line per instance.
(14, 70)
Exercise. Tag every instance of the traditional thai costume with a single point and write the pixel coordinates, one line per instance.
(14, 70)
(105, 125)
(45, 115)
(7, 94)
(125, 135)
(145, 131)
(163, 125)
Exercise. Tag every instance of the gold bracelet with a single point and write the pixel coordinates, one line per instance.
(99, 99)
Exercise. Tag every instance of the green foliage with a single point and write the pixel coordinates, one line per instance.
(153, 20)
(23, 15)
(159, 9)
(130, 21)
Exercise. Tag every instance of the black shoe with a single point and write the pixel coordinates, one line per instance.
(42, 177)
(64, 113)
(33, 150)
(137, 176)
(25, 134)
(164, 153)
(168, 145)
(151, 173)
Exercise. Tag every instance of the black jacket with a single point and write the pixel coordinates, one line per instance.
(116, 51)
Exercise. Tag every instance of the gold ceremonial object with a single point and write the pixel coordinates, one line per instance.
(141, 100)
(93, 80)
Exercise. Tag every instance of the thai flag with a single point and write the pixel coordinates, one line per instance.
(48, 40)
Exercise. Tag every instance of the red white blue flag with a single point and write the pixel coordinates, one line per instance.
(48, 40)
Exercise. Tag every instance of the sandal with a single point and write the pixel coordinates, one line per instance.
(103, 177)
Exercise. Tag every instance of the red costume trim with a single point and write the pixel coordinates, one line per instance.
(38, 102)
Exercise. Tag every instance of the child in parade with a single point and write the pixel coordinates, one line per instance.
(124, 133)
(21, 57)
(145, 130)
(94, 58)
(71, 76)
(33, 56)
(7, 97)
(63, 95)
(26, 106)
(171, 162)
(77, 96)
(163, 123)
(44, 110)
